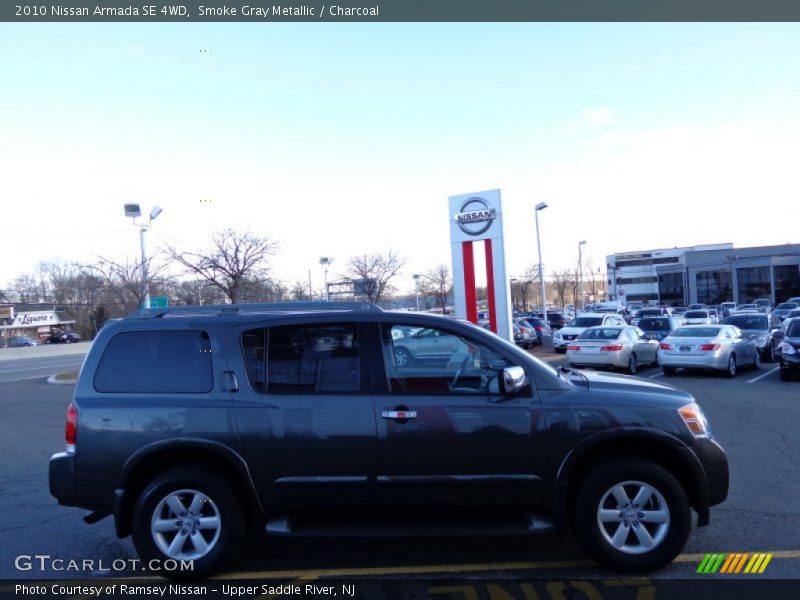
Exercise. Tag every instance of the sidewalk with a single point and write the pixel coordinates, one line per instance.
(45, 350)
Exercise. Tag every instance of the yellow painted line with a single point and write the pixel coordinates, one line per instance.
(460, 568)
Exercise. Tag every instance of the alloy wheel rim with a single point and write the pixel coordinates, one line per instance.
(186, 525)
(633, 517)
(400, 358)
(732, 365)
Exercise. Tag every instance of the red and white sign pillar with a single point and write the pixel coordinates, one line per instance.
(478, 218)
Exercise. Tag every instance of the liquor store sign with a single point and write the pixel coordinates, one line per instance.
(35, 319)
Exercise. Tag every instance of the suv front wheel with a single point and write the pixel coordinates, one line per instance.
(186, 514)
(632, 515)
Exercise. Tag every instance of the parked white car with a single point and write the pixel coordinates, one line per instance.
(616, 347)
(719, 347)
(699, 317)
(563, 336)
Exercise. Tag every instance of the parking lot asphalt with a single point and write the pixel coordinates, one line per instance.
(756, 417)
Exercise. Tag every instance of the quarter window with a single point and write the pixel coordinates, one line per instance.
(434, 360)
(303, 358)
(156, 362)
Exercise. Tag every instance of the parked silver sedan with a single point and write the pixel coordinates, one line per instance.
(720, 347)
(624, 347)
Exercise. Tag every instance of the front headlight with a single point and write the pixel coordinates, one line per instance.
(787, 348)
(557, 335)
(695, 420)
(763, 339)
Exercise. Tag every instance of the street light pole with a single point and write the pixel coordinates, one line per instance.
(541, 206)
(134, 211)
(580, 273)
(325, 261)
(416, 277)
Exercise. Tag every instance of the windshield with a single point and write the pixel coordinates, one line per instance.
(654, 324)
(787, 305)
(600, 333)
(794, 329)
(748, 322)
(650, 311)
(585, 322)
(696, 314)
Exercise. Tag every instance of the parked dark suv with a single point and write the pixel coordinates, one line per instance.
(192, 424)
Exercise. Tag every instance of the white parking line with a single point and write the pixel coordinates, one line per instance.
(770, 372)
(656, 375)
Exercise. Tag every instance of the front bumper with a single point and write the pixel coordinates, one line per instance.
(62, 478)
(715, 465)
(790, 361)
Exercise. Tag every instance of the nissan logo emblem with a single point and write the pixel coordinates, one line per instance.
(475, 216)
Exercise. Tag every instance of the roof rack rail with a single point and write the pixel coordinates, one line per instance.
(243, 309)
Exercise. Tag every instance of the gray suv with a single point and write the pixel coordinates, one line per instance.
(192, 425)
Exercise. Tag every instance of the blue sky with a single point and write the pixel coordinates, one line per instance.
(338, 139)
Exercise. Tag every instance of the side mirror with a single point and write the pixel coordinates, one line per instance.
(514, 379)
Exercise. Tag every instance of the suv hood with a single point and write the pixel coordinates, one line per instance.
(572, 330)
(620, 387)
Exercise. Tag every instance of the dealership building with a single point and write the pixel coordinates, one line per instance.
(710, 274)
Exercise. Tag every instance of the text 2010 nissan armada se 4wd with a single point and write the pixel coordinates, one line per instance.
(192, 424)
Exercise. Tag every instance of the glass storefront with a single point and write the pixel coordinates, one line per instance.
(714, 287)
(787, 282)
(670, 289)
(753, 283)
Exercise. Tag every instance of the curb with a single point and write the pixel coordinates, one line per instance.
(52, 380)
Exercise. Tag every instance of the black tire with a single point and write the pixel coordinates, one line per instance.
(668, 371)
(560, 350)
(757, 361)
(402, 357)
(730, 372)
(223, 500)
(592, 535)
(786, 375)
(772, 357)
(633, 364)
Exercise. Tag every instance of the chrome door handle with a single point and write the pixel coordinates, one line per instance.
(400, 415)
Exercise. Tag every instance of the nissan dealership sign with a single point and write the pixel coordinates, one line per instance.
(475, 216)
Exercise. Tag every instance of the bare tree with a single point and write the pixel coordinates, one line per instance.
(236, 263)
(27, 290)
(300, 291)
(123, 280)
(373, 273)
(440, 284)
(562, 280)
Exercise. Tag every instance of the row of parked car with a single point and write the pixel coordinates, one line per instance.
(21, 341)
(695, 338)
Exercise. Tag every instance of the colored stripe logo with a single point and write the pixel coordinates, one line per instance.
(737, 562)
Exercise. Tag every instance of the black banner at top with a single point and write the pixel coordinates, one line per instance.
(261, 11)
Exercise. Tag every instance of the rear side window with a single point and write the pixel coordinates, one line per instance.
(156, 362)
(303, 358)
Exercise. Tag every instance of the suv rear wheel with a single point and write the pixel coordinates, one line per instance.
(186, 514)
(632, 515)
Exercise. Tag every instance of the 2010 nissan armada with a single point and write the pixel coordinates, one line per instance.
(191, 425)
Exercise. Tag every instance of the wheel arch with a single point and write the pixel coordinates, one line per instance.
(160, 456)
(647, 444)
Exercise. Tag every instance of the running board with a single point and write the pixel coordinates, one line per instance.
(514, 524)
